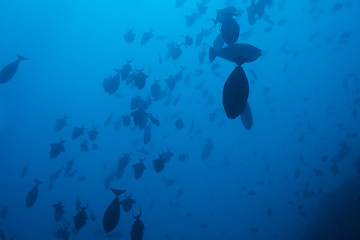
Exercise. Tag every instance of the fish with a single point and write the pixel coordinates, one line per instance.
(4, 212)
(139, 169)
(246, 117)
(147, 36)
(60, 123)
(127, 203)
(80, 218)
(159, 163)
(24, 171)
(140, 79)
(112, 213)
(137, 229)
(129, 36)
(57, 148)
(77, 132)
(93, 134)
(179, 124)
(53, 177)
(209, 146)
(126, 120)
(230, 30)
(84, 146)
(111, 84)
(125, 70)
(108, 120)
(9, 70)
(237, 53)
(59, 211)
(235, 93)
(33, 194)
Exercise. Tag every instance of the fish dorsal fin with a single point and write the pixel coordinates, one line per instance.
(117, 192)
(21, 58)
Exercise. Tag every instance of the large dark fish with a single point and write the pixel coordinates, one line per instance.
(112, 213)
(235, 93)
(230, 30)
(32, 195)
(137, 230)
(246, 117)
(237, 53)
(9, 70)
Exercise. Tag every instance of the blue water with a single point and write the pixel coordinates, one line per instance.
(294, 175)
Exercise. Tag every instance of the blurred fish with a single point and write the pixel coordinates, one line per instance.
(205, 153)
(57, 148)
(84, 146)
(179, 124)
(60, 123)
(77, 132)
(9, 70)
(154, 120)
(108, 120)
(174, 51)
(147, 36)
(179, 3)
(32, 195)
(59, 211)
(53, 177)
(112, 213)
(140, 79)
(129, 36)
(4, 211)
(24, 171)
(93, 133)
(126, 120)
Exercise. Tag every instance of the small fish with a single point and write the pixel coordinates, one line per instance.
(32, 195)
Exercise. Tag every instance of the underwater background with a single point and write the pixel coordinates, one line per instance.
(293, 174)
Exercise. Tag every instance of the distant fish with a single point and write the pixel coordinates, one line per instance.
(237, 53)
(32, 195)
(139, 169)
(24, 171)
(58, 211)
(108, 120)
(112, 83)
(80, 218)
(60, 123)
(57, 148)
(112, 213)
(93, 133)
(147, 36)
(129, 36)
(77, 132)
(127, 203)
(4, 211)
(9, 70)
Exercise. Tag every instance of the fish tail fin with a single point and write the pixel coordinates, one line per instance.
(38, 181)
(117, 192)
(212, 54)
(21, 57)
